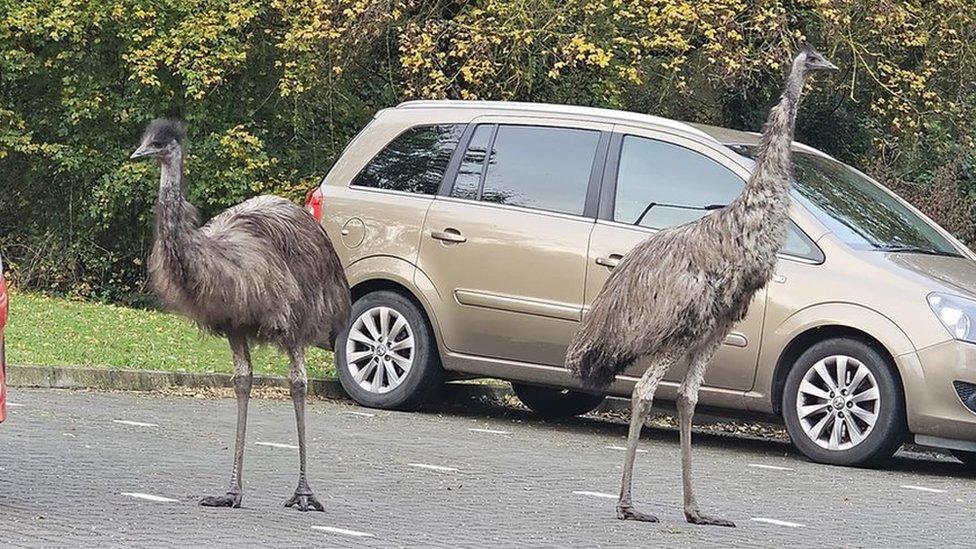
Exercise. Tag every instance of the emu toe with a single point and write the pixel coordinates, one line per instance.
(305, 502)
(629, 513)
(230, 499)
(698, 518)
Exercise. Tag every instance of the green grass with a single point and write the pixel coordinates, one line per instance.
(60, 332)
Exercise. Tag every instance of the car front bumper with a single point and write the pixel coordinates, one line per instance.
(935, 410)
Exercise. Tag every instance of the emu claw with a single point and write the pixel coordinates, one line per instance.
(231, 499)
(626, 512)
(697, 518)
(305, 502)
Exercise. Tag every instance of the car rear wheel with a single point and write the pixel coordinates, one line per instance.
(843, 404)
(387, 357)
(556, 403)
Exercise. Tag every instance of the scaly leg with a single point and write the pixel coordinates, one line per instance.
(687, 399)
(303, 497)
(242, 388)
(641, 401)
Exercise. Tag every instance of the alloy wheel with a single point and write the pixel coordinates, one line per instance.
(380, 349)
(838, 402)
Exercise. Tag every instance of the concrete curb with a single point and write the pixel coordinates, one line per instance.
(68, 377)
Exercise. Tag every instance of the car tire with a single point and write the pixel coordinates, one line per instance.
(967, 458)
(556, 403)
(395, 361)
(845, 407)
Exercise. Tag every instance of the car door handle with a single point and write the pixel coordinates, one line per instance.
(609, 262)
(449, 235)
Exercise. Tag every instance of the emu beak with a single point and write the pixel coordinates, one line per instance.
(830, 66)
(142, 152)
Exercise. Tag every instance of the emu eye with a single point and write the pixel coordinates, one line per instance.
(157, 144)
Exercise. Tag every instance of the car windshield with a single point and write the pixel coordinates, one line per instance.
(857, 209)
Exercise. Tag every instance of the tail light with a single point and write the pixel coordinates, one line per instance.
(313, 202)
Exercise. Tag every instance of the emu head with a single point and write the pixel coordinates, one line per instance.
(161, 139)
(813, 61)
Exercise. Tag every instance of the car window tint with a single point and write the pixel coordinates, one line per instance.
(414, 162)
(668, 184)
(539, 167)
(468, 179)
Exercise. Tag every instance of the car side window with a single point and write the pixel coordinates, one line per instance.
(539, 167)
(798, 244)
(414, 162)
(661, 184)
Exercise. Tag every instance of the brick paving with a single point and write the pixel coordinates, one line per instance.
(65, 463)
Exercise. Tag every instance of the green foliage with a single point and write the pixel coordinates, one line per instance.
(273, 89)
(56, 331)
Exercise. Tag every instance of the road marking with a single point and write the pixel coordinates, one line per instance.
(779, 522)
(440, 468)
(134, 423)
(770, 467)
(923, 489)
(490, 431)
(639, 451)
(277, 445)
(342, 531)
(69, 435)
(149, 497)
(354, 413)
(14, 405)
(595, 494)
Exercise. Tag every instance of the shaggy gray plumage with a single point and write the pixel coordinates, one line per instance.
(263, 271)
(679, 292)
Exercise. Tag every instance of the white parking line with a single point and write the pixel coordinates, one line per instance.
(277, 445)
(490, 431)
(622, 448)
(779, 522)
(342, 531)
(14, 405)
(134, 423)
(770, 467)
(923, 489)
(354, 413)
(594, 494)
(440, 468)
(149, 497)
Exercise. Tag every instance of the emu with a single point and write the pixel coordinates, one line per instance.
(261, 272)
(678, 293)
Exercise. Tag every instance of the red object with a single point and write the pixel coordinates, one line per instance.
(4, 304)
(313, 203)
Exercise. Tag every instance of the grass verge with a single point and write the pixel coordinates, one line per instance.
(52, 331)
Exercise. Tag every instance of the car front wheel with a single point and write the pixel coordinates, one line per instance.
(556, 403)
(843, 404)
(387, 357)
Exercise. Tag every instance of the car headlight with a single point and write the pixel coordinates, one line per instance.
(957, 314)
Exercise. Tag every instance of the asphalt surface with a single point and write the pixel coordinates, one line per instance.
(76, 469)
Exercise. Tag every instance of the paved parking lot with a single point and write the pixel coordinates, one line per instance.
(76, 469)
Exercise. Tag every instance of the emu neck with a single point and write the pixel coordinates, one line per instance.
(762, 211)
(176, 219)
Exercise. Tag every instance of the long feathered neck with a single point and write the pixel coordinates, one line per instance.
(177, 220)
(762, 210)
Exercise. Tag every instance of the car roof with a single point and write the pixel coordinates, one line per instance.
(715, 134)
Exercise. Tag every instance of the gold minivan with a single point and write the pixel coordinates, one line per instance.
(475, 234)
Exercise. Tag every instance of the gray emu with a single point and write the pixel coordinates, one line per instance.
(263, 271)
(679, 292)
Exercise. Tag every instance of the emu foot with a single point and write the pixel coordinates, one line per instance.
(627, 512)
(305, 501)
(698, 518)
(230, 499)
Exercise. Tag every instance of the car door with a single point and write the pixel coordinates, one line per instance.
(656, 180)
(505, 245)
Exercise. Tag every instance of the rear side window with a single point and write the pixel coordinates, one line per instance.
(536, 167)
(661, 184)
(414, 162)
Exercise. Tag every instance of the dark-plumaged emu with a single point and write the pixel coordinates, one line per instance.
(262, 272)
(678, 293)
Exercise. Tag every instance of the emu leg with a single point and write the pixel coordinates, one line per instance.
(303, 497)
(242, 388)
(641, 401)
(687, 399)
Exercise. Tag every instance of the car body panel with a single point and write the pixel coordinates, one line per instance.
(500, 310)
